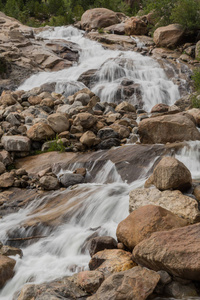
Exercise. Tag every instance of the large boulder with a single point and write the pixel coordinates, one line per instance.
(59, 122)
(40, 132)
(137, 283)
(169, 128)
(98, 18)
(111, 260)
(142, 222)
(16, 143)
(170, 173)
(6, 269)
(176, 251)
(135, 26)
(168, 36)
(174, 201)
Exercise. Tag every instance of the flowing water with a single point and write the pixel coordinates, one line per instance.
(103, 202)
(113, 67)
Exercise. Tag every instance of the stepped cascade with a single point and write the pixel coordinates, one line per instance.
(94, 208)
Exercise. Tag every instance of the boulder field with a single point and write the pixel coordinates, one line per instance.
(42, 132)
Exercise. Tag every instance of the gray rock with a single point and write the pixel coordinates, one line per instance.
(180, 291)
(101, 243)
(49, 183)
(71, 179)
(107, 133)
(16, 143)
(83, 98)
(108, 143)
(2, 168)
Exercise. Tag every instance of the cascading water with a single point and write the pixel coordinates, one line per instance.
(148, 82)
(99, 209)
(98, 206)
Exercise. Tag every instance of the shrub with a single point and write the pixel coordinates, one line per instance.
(196, 79)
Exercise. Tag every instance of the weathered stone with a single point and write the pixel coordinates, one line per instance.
(8, 251)
(195, 112)
(135, 26)
(68, 179)
(34, 100)
(86, 120)
(111, 261)
(6, 180)
(49, 183)
(7, 100)
(137, 283)
(101, 243)
(168, 36)
(55, 290)
(174, 201)
(179, 291)
(40, 132)
(90, 281)
(2, 168)
(98, 18)
(196, 192)
(16, 143)
(83, 98)
(169, 128)
(176, 251)
(107, 133)
(6, 269)
(159, 108)
(89, 139)
(142, 222)
(5, 157)
(126, 106)
(116, 29)
(58, 122)
(14, 119)
(170, 173)
(109, 143)
(123, 131)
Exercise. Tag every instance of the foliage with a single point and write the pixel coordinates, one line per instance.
(196, 98)
(196, 79)
(100, 30)
(184, 12)
(57, 12)
(187, 13)
(56, 145)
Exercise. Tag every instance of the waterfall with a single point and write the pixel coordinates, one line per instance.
(98, 206)
(148, 86)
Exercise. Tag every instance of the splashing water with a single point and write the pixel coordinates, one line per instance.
(112, 68)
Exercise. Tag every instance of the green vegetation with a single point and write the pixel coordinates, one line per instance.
(57, 12)
(61, 12)
(100, 30)
(56, 145)
(196, 98)
(184, 12)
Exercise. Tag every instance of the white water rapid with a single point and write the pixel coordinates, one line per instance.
(113, 67)
(100, 208)
(101, 204)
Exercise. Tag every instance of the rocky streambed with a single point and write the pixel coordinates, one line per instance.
(99, 168)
